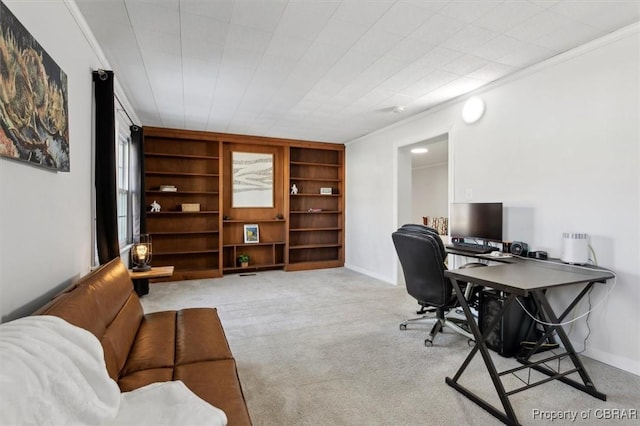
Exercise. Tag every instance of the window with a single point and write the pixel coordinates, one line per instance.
(123, 144)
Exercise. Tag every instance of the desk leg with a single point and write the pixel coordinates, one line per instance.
(508, 416)
(548, 330)
(587, 385)
(141, 286)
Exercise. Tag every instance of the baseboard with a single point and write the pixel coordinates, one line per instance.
(627, 364)
(370, 274)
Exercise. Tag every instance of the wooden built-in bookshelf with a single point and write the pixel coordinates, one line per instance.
(316, 237)
(299, 231)
(190, 241)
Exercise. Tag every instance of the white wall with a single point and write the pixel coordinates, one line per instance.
(45, 217)
(559, 146)
(429, 192)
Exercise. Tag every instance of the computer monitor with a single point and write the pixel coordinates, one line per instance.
(478, 221)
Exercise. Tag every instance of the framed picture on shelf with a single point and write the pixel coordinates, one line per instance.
(251, 234)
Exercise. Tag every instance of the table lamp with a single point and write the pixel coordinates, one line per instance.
(141, 253)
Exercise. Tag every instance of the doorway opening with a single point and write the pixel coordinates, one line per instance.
(425, 185)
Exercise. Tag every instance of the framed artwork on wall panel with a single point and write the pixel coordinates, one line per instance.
(34, 118)
(252, 180)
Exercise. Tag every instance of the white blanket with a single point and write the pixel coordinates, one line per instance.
(53, 373)
(166, 403)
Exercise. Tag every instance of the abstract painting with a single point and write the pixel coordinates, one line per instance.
(34, 120)
(252, 179)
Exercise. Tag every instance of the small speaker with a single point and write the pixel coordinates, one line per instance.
(519, 248)
(540, 255)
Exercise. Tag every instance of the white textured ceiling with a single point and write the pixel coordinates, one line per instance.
(322, 69)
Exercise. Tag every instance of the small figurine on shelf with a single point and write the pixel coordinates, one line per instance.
(294, 189)
(279, 217)
(155, 207)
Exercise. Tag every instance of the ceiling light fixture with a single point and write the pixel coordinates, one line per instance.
(398, 109)
(472, 110)
(419, 150)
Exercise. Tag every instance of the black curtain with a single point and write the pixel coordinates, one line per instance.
(105, 168)
(136, 158)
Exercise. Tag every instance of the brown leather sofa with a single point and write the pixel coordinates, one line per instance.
(188, 345)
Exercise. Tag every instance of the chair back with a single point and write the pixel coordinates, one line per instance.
(423, 266)
(422, 229)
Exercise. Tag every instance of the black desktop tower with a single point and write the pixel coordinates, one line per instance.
(514, 327)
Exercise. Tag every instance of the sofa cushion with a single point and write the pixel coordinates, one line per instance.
(199, 336)
(170, 338)
(154, 344)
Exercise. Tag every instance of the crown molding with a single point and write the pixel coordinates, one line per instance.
(104, 63)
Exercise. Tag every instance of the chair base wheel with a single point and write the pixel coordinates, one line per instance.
(428, 342)
(471, 342)
(403, 326)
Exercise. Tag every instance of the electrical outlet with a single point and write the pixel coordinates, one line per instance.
(468, 194)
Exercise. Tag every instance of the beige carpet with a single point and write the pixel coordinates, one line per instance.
(324, 348)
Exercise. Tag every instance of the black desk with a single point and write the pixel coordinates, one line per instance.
(525, 277)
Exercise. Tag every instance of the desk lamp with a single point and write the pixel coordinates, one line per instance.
(141, 253)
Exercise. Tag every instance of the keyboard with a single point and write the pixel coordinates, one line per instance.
(472, 248)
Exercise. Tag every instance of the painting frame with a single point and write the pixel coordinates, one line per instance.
(251, 233)
(252, 180)
(34, 100)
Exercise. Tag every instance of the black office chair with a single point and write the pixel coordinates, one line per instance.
(422, 255)
(423, 230)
